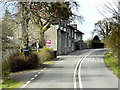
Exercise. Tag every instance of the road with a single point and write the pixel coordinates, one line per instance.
(77, 68)
(95, 74)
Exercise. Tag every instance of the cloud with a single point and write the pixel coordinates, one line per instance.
(94, 19)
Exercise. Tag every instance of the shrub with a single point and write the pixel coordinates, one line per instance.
(32, 61)
(19, 63)
(16, 63)
(50, 50)
(46, 54)
(96, 45)
(38, 55)
(5, 69)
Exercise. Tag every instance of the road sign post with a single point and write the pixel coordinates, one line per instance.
(26, 51)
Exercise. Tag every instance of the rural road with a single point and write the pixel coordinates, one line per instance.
(95, 74)
(81, 69)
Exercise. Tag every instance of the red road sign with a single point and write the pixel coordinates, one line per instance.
(48, 43)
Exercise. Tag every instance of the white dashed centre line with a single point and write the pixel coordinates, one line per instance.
(39, 72)
(35, 75)
(32, 78)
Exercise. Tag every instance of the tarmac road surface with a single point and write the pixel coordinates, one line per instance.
(93, 72)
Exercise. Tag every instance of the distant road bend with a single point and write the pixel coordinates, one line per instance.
(81, 69)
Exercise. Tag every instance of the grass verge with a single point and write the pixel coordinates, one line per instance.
(49, 62)
(10, 83)
(112, 63)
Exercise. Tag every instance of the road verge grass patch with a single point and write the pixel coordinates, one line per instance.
(112, 63)
(10, 83)
(49, 62)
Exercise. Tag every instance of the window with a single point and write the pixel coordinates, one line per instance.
(72, 34)
(69, 32)
(69, 43)
(75, 35)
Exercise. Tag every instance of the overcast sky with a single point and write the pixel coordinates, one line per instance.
(91, 15)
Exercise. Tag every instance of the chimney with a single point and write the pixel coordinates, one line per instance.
(74, 25)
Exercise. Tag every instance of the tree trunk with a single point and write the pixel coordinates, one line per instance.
(42, 40)
(25, 21)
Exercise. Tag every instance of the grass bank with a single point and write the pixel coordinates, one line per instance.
(18, 62)
(10, 83)
(112, 63)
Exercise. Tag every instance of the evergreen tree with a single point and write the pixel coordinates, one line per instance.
(96, 43)
(7, 31)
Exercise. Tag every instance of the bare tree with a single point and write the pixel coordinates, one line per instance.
(103, 28)
(113, 38)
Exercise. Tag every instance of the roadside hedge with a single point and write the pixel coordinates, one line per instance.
(19, 63)
(45, 54)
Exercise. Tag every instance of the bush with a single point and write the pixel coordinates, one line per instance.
(5, 69)
(96, 45)
(50, 50)
(46, 54)
(16, 63)
(32, 61)
(19, 63)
